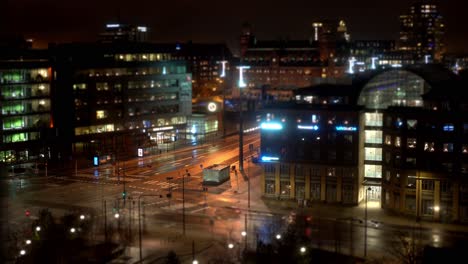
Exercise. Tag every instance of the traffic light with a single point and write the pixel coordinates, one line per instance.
(96, 160)
(124, 194)
(27, 213)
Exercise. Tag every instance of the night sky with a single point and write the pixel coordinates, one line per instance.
(217, 21)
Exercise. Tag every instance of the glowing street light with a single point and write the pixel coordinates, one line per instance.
(244, 233)
(230, 245)
(303, 250)
(22, 252)
(82, 217)
(278, 236)
(38, 228)
(195, 261)
(72, 230)
(116, 215)
(28, 242)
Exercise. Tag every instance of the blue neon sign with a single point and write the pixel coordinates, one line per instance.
(271, 126)
(314, 127)
(346, 128)
(266, 158)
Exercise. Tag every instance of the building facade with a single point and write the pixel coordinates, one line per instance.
(27, 123)
(409, 150)
(124, 96)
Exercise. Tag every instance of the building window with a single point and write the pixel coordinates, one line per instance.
(373, 119)
(411, 182)
(348, 139)
(284, 169)
(411, 143)
(427, 185)
(269, 187)
(410, 203)
(410, 162)
(388, 176)
(448, 127)
(373, 154)
(429, 146)
(427, 207)
(465, 148)
(270, 169)
(445, 187)
(372, 171)
(411, 124)
(373, 136)
(331, 172)
(315, 191)
(448, 147)
(285, 188)
(101, 114)
(397, 141)
(388, 140)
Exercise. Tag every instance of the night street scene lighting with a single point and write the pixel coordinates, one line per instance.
(293, 135)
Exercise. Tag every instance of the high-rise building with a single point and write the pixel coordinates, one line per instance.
(422, 31)
(26, 119)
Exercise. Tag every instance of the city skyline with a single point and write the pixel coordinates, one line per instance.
(212, 21)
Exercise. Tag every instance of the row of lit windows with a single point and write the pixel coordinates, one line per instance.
(142, 57)
(25, 91)
(21, 122)
(21, 137)
(24, 75)
(428, 146)
(25, 107)
(157, 70)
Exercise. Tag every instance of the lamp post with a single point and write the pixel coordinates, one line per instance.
(241, 85)
(365, 223)
(139, 222)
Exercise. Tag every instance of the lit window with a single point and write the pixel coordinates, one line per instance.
(411, 143)
(101, 114)
(388, 140)
(397, 141)
(411, 123)
(448, 127)
(429, 146)
(448, 147)
(373, 154)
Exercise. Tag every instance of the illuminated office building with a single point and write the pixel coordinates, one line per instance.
(422, 32)
(124, 96)
(26, 118)
(401, 133)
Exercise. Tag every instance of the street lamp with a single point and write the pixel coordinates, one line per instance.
(241, 85)
(278, 236)
(303, 250)
(244, 234)
(365, 222)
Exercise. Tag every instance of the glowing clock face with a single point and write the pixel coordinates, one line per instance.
(212, 107)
